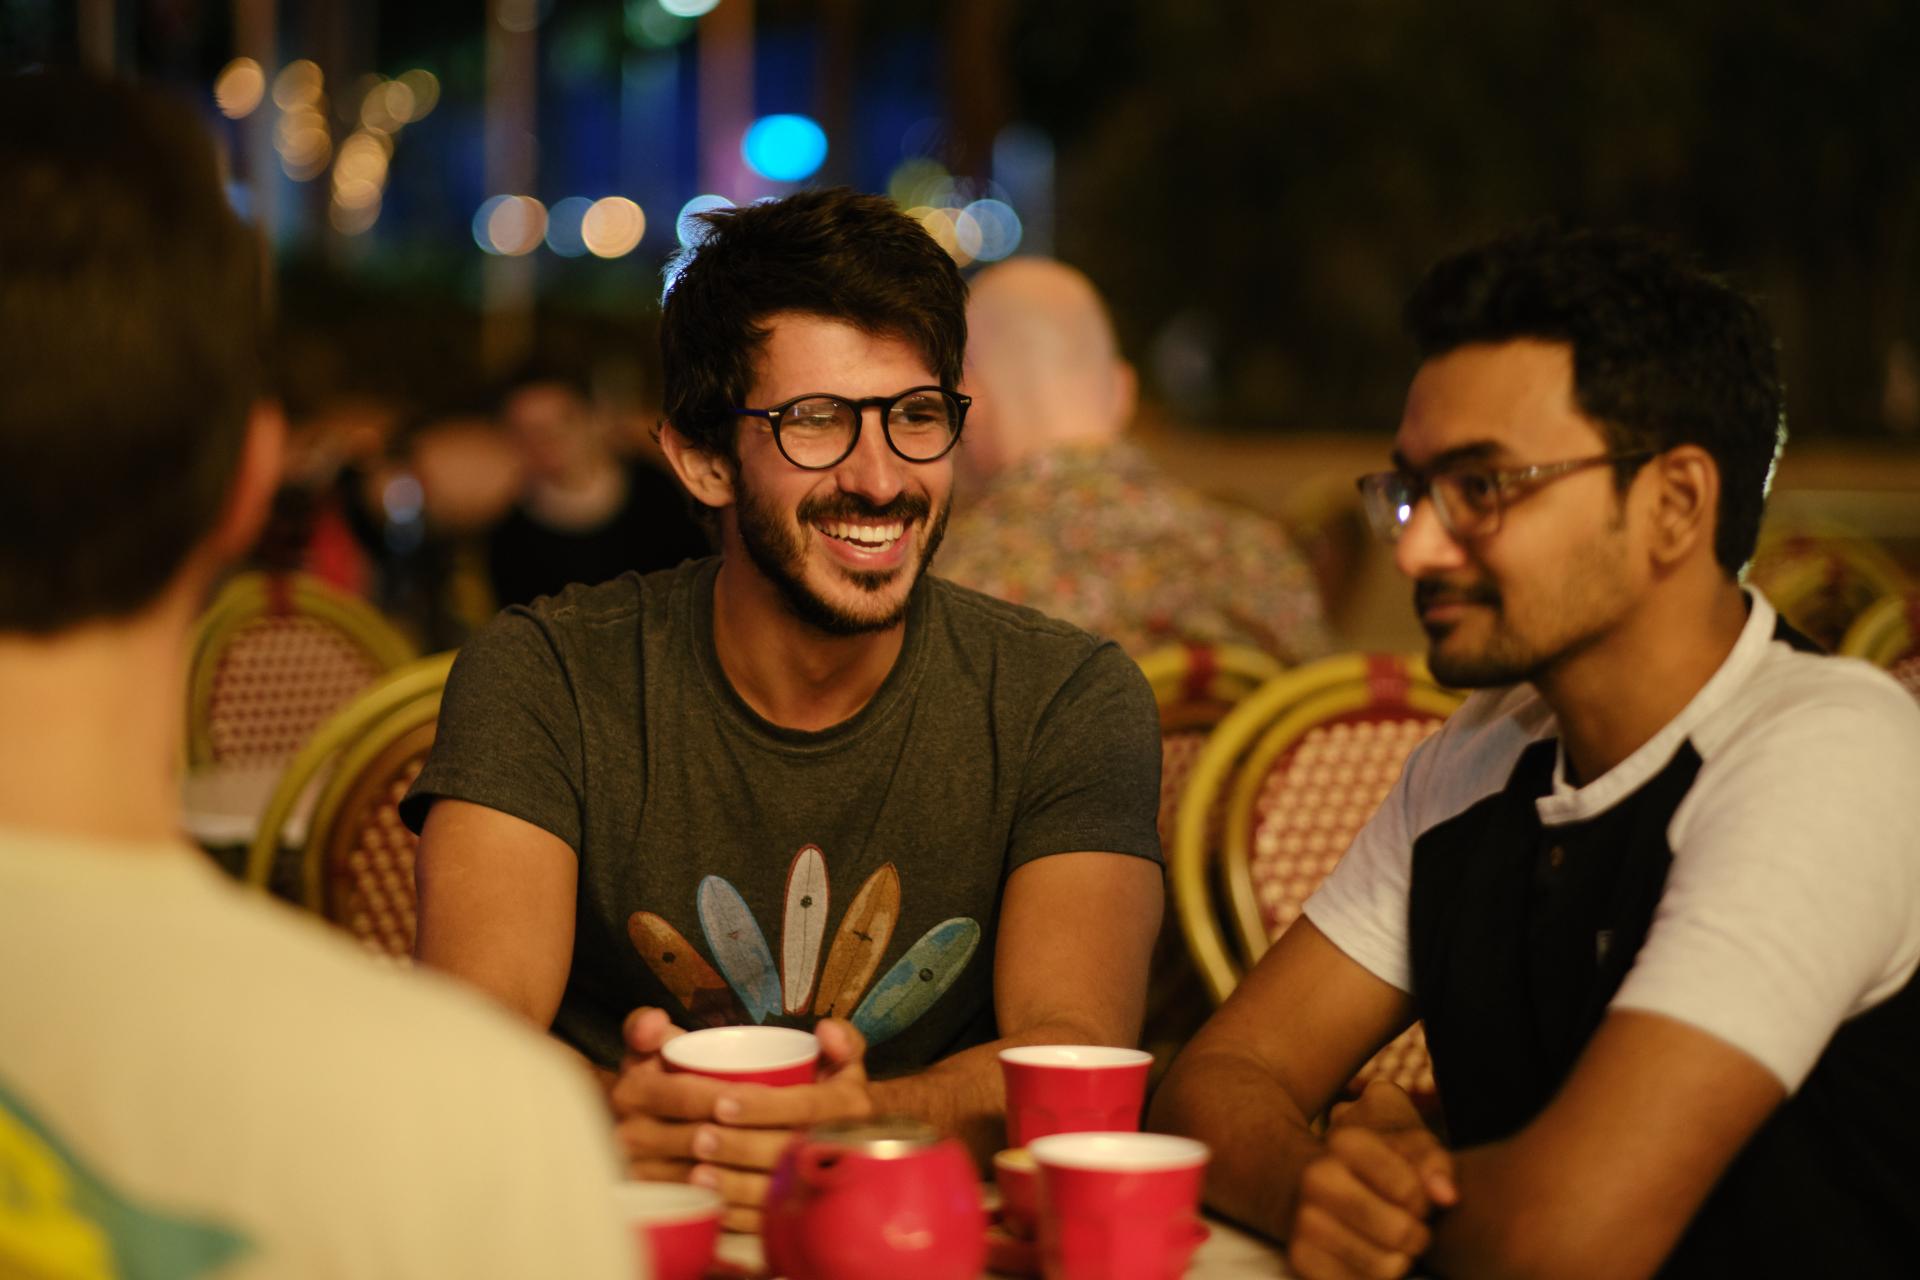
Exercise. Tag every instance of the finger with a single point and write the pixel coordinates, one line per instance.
(794, 1106)
(740, 1219)
(659, 1170)
(1329, 1187)
(741, 1187)
(840, 1042)
(643, 1137)
(1334, 1250)
(1381, 1167)
(673, 1095)
(647, 1028)
(740, 1148)
(1435, 1167)
(1339, 1114)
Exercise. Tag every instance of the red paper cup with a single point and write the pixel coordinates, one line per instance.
(1119, 1206)
(1072, 1088)
(746, 1055)
(1019, 1181)
(674, 1225)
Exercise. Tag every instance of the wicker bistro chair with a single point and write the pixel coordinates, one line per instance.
(1195, 687)
(272, 657)
(1887, 634)
(1822, 577)
(1296, 769)
(356, 867)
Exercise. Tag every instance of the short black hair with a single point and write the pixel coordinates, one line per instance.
(834, 253)
(130, 346)
(1664, 354)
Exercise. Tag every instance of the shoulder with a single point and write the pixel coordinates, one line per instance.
(1473, 753)
(1841, 711)
(981, 620)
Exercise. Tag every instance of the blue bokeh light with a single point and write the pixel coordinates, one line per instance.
(482, 217)
(690, 232)
(564, 220)
(784, 148)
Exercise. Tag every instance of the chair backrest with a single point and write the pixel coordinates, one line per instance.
(1887, 634)
(271, 658)
(357, 862)
(1295, 771)
(1822, 577)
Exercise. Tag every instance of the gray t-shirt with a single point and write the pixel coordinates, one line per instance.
(735, 871)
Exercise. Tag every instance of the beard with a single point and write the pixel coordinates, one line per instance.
(1500, 660)
(778, 550)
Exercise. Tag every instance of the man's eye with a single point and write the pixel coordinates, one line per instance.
(1477, 487)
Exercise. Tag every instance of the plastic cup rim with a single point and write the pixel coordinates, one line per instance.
(1038, 1055)
(1056, 1151)
(637, 1210)
(676, 1050)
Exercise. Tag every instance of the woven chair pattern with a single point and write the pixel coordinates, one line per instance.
(1311, 804)
(370, 890)
(276, 681)
(1907, 672)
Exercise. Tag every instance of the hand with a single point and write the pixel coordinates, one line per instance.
(656, 1111)
(1363, 1206)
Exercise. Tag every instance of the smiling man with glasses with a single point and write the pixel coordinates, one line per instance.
(802, 783)
(1654, 891)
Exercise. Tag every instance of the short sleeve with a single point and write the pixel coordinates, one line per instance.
(1793, 902)
(509, 735)
(1362, 905)
(1092, 779)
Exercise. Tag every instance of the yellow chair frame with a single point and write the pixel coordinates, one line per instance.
(1233, 672)
(1886, 631)
(1238, 753)
(354, 737)
(250, 596)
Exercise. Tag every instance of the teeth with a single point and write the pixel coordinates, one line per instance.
(872, 535)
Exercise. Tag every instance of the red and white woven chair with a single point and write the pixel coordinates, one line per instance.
(1888, 635)
(1294, 772)
(1821, 577)
(357, 862)
(272, 657)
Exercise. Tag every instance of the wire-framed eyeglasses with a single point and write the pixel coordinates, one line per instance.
(818, 430)
(1469, 498)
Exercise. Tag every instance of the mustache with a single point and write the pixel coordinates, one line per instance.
(908, 507)
(1429, 592)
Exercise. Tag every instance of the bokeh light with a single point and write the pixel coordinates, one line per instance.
(425, 88)
(952, 229)
(1000, 228)
(689, 8)
(510, 225)
(784, 148)
(563, 226)
(239, 88)
(353, 220)
(613, 227)
(298, 84)
(919, 182)
(687, 227)
(650, 25)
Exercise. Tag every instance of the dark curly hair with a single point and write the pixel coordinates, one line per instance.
(1663, 353)
(833, 253)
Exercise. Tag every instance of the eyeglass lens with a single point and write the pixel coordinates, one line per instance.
(1467, 502)
(820, 430)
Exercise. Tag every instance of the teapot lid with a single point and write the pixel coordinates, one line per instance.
(881, 1136)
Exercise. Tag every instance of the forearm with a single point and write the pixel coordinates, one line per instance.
(1517, 1221)
(965, 1095)
(1261, 1141)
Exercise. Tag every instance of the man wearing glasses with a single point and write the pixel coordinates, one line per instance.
(1654, 892)
(803, 782)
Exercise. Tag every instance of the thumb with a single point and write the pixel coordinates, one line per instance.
(841, 1043)
(646, 1029)
(1436, 1175)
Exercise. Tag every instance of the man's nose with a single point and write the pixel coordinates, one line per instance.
(1424, 545)
(873, 470)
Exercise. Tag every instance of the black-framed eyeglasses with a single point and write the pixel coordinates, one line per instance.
(1469, 498)
(818, 430)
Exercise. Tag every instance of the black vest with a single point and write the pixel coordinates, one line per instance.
(1521, 934)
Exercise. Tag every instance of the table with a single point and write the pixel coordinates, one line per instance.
(1229, 1254)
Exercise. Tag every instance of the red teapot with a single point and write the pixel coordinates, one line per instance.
(875, 1200)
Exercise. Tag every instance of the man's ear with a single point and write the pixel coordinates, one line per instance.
(255, 481)
(707, 475)
(1686, 503)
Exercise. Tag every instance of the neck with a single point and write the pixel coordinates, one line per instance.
(1613, 696)
(789, 671)
(99, 717)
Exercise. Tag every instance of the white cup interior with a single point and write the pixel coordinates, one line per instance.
(1073, 1055)
(661, 1203)
(1118, 1152)
(739, 1049)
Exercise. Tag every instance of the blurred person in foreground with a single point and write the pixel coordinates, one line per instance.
(193, 1079)
(1654, 891)
(1070, 519)
(936, 806)
(585, 514)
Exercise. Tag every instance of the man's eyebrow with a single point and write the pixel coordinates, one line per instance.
(1476, 451)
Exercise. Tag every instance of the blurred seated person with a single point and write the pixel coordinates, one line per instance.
(585, 513)
(193, 1079)
(1653, 890)
(1070, 519)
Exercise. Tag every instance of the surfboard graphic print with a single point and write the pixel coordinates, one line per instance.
(738, 947)
(859, 942)
(805, 926)
(685, 973)
(917, 979)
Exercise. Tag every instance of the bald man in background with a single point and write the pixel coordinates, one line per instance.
(1068, 518)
